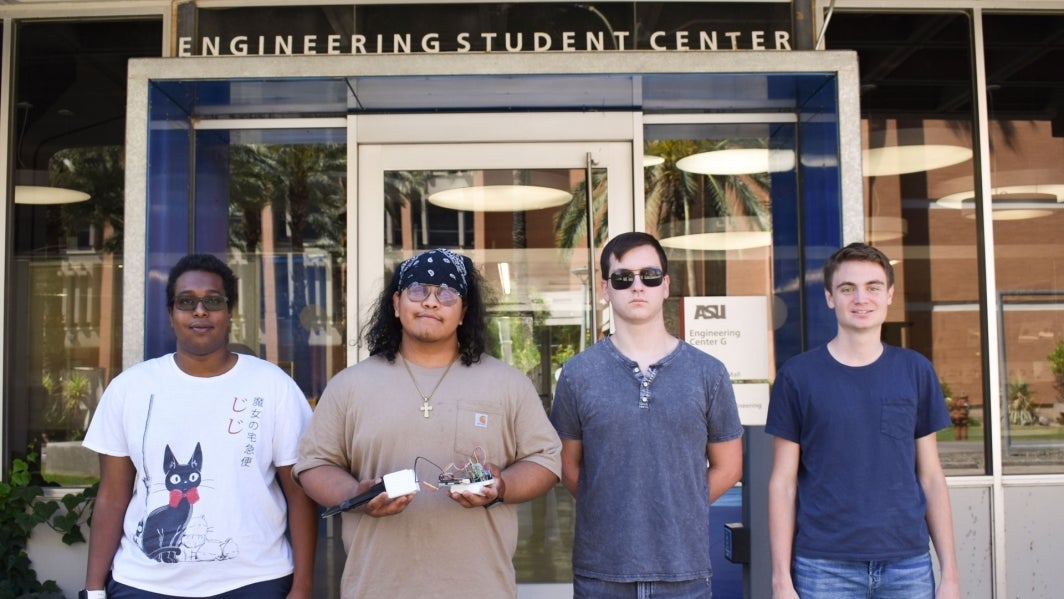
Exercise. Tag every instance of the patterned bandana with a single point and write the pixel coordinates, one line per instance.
(440, 267)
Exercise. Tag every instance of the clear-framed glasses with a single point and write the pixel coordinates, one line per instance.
(445, 295)
(623, 279)
(213, 303)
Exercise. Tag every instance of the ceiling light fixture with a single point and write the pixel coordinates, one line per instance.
(738, 161)
(41, 195)
(1012, 202)
(722, 233)
(34, 187)
(650, 160)
(500, 198)
(901, 160)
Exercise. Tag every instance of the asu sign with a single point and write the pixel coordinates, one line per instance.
(710, 311)
(735, 330)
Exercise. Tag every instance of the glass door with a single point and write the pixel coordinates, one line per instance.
(521, 212)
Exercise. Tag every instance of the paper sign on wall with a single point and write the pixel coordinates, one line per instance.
(733, 329)
(752, 401)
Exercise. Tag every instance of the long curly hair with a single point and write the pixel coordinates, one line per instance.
(384, 332)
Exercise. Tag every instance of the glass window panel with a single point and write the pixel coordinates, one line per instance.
(534, 261)
(273, 204)
(1024, 87)
(287, 242)
(917, 122)
(64, 306)
(713, 216)
(708, 192)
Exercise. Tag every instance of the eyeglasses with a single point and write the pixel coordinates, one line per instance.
(445, 295)
(623, 279)
(213, 303)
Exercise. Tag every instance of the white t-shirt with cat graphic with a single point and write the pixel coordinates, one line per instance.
(207, 514)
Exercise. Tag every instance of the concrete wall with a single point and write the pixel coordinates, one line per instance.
(1034, 540)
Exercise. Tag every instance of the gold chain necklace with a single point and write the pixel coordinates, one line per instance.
(425, 407)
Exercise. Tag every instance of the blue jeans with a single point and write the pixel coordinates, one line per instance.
(908, 578)
(593, 588)
(275, 589)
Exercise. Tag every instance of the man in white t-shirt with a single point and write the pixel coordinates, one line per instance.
(196, 451)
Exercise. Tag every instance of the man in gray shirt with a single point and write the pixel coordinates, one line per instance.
(640, 414)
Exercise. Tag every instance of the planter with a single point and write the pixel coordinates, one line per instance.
(68, 463)
(53, 559)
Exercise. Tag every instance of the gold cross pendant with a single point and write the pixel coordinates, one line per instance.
(425, 408)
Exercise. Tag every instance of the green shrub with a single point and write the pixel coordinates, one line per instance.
(22, 508)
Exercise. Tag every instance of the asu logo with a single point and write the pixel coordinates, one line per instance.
(710, 312)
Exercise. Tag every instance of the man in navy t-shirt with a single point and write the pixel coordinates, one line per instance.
(857, 488)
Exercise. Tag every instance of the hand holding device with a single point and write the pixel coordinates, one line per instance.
(477, 487)
(397, 484)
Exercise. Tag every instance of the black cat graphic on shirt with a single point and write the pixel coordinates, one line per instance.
(162, 531)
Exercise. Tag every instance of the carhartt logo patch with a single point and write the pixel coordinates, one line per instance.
(480, 420)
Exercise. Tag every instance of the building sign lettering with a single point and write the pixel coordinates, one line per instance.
(539, 41)
(491, 28)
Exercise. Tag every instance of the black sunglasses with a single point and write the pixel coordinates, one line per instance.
(623, 279)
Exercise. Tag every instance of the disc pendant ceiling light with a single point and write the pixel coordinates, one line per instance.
(722, 233)
(738, 161)
(500, 198)
(902, 160)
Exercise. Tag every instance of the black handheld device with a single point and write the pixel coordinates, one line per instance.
(356, 501)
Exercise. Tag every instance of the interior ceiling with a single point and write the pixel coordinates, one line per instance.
(71, 75)
(652, 93)
(919, 65)
(70, 84)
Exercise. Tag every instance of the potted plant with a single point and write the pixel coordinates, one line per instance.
(1021, 408)
(72, 399)
(75, 397)
(26, 548)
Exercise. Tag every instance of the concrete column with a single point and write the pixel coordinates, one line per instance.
(803, 33)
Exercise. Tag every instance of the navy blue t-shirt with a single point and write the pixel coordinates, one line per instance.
(858, 493)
